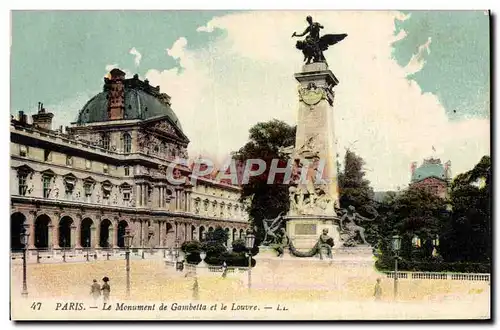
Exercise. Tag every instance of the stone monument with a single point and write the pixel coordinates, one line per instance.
(314, 190)
(316, 245)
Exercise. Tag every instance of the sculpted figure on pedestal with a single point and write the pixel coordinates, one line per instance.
(313, 45)
(350, 231)
(271, 227)
(323, 246)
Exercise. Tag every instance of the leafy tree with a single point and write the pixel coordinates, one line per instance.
(266, 200)
(239, 245)
(468, 233)
(218, 236)
(355, 190)
(416, 212)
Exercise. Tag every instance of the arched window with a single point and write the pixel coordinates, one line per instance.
(127, 143)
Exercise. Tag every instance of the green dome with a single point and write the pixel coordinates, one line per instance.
(142, 101)
(430, 168)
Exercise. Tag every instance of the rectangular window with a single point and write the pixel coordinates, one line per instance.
(127, 171)
(105, 141)
(22, 184)
(88, 164)
(47, 156)
(126, 195)
(105, 168)
(69, 161)
(23, 151)
(46, 186)
(88, 189)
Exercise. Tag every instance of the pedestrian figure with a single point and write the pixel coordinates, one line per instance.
(106, 289)
(224, 270)
(378, 290)
(196, 289)
(95, 291)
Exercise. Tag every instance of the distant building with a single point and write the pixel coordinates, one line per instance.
(83, 188)
(432, 175)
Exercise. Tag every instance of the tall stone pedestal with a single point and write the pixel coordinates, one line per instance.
(314, 195)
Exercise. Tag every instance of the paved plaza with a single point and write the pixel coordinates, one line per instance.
(152, 281)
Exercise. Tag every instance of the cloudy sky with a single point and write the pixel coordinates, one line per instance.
(408, 80)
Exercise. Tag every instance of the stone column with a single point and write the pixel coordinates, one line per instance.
(159, 197)
(113, 232)
(77, 232)
(50, 236)
(31, 229)
(161, 234)
(185, 232)
(55, 236)
(138, 195)
(141, 233)
(177, 199)
(230, 237)
(145, 195)
(94, 235)
(73, 236)
(195, 234)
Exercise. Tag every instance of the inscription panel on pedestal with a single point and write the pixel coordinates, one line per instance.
(305, 229)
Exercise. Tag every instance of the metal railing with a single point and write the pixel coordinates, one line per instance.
(440, 276)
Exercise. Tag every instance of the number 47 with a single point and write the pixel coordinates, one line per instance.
(36, 306)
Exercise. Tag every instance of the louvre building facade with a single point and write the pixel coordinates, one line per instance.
(107, 172)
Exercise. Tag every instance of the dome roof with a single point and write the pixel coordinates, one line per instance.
(430, 168)
(141, 101)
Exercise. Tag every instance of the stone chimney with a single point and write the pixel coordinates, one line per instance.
(116, 95)
(42, 119)
(22, 118)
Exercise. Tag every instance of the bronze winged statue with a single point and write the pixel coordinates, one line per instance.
(313, 45)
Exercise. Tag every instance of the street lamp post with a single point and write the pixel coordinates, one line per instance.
(249, 243)
(396, 246)
(25, 239)
(176, 255)
(127, 240)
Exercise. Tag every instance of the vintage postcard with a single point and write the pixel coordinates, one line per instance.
(250, 165)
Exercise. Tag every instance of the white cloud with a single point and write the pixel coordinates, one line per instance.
(206, 28)
(137, 55)
(417, 61)
(246, 76)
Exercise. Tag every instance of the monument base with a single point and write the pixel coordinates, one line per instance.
(348, 265)
(304, 230)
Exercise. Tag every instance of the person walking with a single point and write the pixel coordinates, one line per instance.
(224, 270)
(95, 291)
(196, 289)
(378, 290)
(106, 289)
